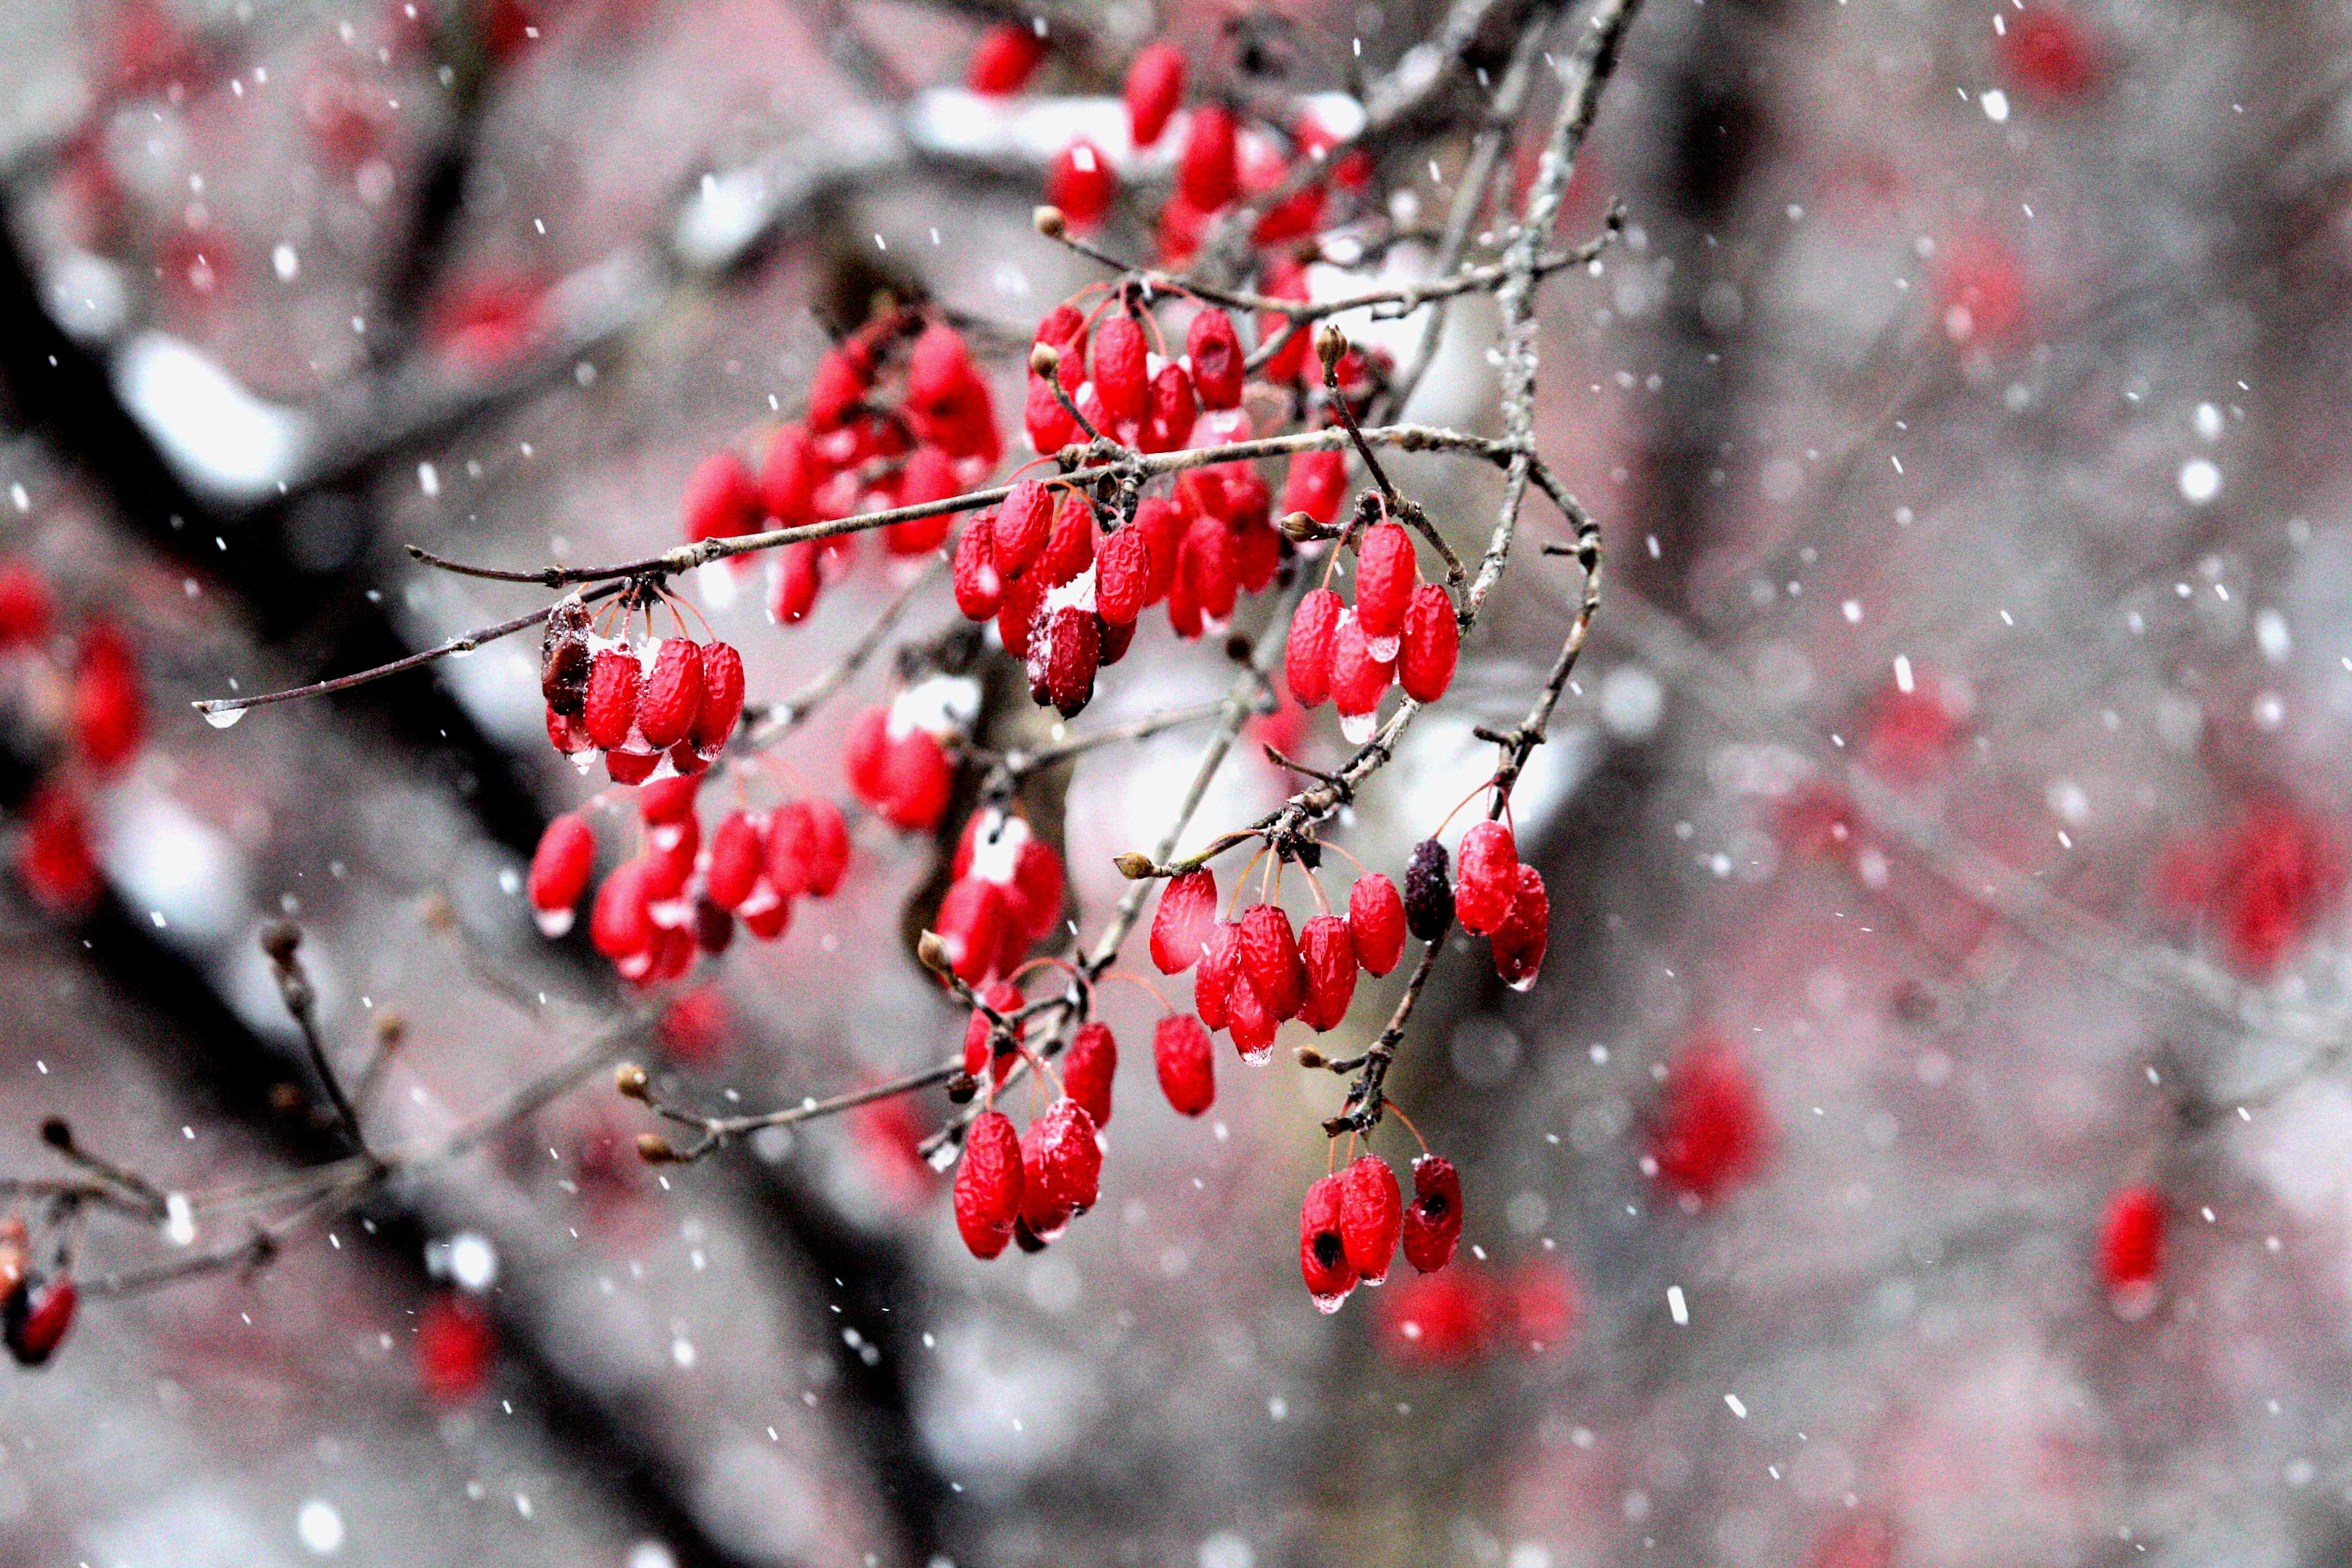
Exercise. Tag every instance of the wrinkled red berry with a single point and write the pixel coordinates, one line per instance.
(611, 708)
(1376, 922)
(1519, 940)
(1186, 1063)
(979, 586)
(1430, 643)
(1070, 548)
(1087, 1068)
(1181, 925)
(1432, 1221)
(1270, 958)
(1024, 524)
(672, 694)
(988, 1184)
(1061, 1168)
(1214, 351)
(1307, 659)
(1385, 574)
(1064, 654)
(1372, 1213)
(1329, 954)
(1123, 576)
(1118, 360)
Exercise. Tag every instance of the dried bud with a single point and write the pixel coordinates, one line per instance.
(279, 940)
(1299, 527)
(1134, 865)
(933, 953)
(1309, 1056)
(656, 1150)
(962, 1087)
(1330, 343)
(631, 1080)
(391, 1030)
(1045, 361)
(57, 1134)
(1049, 221)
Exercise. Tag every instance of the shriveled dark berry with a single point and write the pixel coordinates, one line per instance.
(1428, 892)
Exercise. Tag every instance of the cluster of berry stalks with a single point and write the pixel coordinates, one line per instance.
(1220, 159)
(898, 415)
(665, 707)
(680, 895)
(37, 1305)
(83, 702)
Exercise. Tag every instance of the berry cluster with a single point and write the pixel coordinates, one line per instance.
(1004, 898)
(896, 756)
(89, 692)
(682, 894)
(1222, 159)
(1351, 1222)
(1256, 970)
(899, 415)
(37, 1305)
(1400, 630)
(1493, 894)
(663, 707)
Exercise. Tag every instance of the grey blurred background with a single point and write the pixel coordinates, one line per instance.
(1965, 411)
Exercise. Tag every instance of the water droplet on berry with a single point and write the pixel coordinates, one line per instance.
(1254, 1058)
(1357, 728)
(1383, 649)
(552, 924)
(222, 718)
(1329, 1304)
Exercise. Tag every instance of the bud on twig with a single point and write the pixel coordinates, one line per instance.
(57, 1133)
(1134, 865)
(631, 1080)
(933, 953)
(1043, 361)
(1049, 221)
(656, 1150)
(1309, 1056)
(279, 940)
(1330, 343)
(1299, 527)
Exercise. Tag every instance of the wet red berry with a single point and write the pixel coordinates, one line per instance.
(1329, 955)
(1485, 878)
(979, 586)
(1270, 958)
(1213, 985)
(1064, 654)
(1061, 1168)
(988, 1184)
(1185, 1063)
(1371, 1214)
(560, 870)
(1432, 1221)
(1358, 679)
(796, 575)
(1214, 350)
(1185, 918)
(612, 707)
(1087, 1068)
(1307, 659)
(672, 695)
(1024, 524)
(1376, 922)
(1430, 644)
(1123, 576)
(715, 717)
(1322, 1251)
(1385, 574)
(1519, 940)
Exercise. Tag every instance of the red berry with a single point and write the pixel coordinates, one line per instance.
(978, 587)
(612, 710)
(789, 472)
(1322, 1251)
(1207, 569)
(795, 577)
(808, 847)
(1430, 642)
(1372, 1213)
(35, 1330)
(26, 607)
(1181, 926)
(1016, 618)
(1271, 960)
(54, 859)
(1087, 1067)
(1432, 1221)
(1118, 358)
(1519, 940)
(988, 1184)
(1064, 654)
(930, 475)
(631, 767)
(109, 717)
(722, 707)
(836, 388)
(1316, 485)
(620, 925)
(2131, 1249)
(906, 778)
(669, 803)
(1070, 549)
(1329, 954)
(1162, 523)
(2048, 51)
(1123, 576)
(1205, 175)
(1214, 350)
(971, 925)
(560, 869)
(1114, 641)
(1169, 412)
(1061, 1168)
(1385, 572)
(672, 696)
(1250, 1022)
(1358, 680)
(1711, 1128)
(722, 499)
(1024, 524)
(1485, 878)
(1187, 1066)
(738, 855)
(1155, 85)
(1008, 55)
(1376, 922)
(1306, 660)
(1213, 986)
(455, 1349)
(1081, 183)
(1050, 426)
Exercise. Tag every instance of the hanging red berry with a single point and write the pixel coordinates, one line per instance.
(1322, 1251)
(1430, 644)
(1486, 878)
(1270, 958)
(2131, 1249)
(1087, 1068)
(1376, 922)
(988, 1184)
(1155, 87)
(1181, 925)
(1329, 955)
(1306, 657)
(1008, 55)
(1214, 351)
(1371, 1214)
(1182, 1056)
(560, 869)
(1432, 1221)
